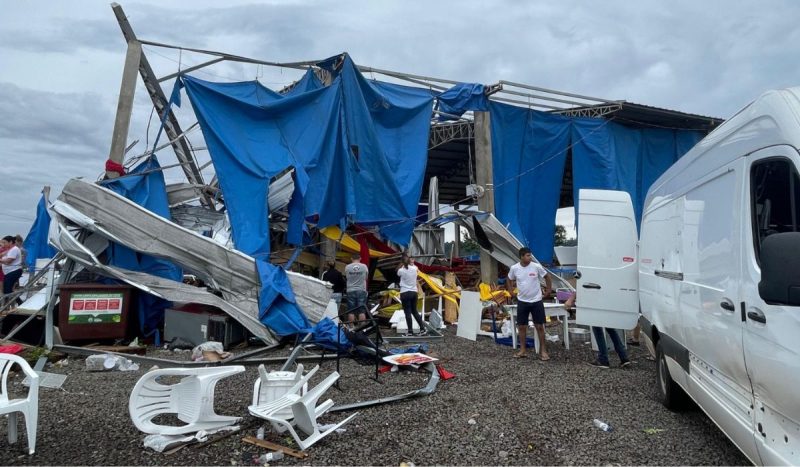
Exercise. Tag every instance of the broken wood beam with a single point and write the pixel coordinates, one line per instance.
(275, 447)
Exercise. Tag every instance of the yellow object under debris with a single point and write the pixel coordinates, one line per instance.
(438, 287)
(348, 243)
(488, 294)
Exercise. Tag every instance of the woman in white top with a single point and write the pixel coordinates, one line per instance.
(11, 263)
(408, 293)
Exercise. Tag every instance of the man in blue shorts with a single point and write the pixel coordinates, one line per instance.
(525, 276)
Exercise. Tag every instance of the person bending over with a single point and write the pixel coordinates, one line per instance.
(525, 277)
(336, 279)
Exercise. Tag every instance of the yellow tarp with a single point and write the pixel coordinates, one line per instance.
(348, 243)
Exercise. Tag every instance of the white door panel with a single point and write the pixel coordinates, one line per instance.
(772, 348)
(607, 260)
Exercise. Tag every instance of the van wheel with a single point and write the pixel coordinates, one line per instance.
(672, 396)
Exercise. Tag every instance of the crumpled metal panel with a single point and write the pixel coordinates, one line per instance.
(230, 271)
(86, 256)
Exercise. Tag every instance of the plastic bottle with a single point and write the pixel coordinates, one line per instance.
(602, 425)
(270, 456)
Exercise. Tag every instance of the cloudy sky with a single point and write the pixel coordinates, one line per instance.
(61, 62)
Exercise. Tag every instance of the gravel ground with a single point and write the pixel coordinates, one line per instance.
(524, 412)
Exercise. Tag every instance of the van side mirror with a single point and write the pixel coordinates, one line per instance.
(780, 275)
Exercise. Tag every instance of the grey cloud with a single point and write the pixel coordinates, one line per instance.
(66, 35)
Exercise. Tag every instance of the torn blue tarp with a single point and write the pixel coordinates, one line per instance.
(529, 149)
(277, 307)
(460, 98)
(36, 244)
(145, 186)
(325, 335)
(309, 82)
(358, 148)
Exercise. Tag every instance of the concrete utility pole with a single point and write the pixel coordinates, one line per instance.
(171, 126)
(125, 106)
(483, 166)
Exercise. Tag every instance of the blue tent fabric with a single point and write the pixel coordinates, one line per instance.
(309, 82)
(358, 148)
(529, 149)
(36, 244)
(607, 155)
(325, 335)
(145, 186)
(460, 98)
(278, 309)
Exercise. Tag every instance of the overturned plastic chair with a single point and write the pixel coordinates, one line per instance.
(275, 384)
(191, 400)
(304, 411)
(29, 406)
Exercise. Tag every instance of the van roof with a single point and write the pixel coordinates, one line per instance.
(772, 119)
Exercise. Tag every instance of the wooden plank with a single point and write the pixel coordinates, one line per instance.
(450, 308)
(275, 447)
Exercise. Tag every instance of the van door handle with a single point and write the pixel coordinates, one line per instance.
(758, 316)
(727, 305)
(591, 285)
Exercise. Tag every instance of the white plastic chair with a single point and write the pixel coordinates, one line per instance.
(28, 406)
(305, 411)
(275, 384)
(191, 399)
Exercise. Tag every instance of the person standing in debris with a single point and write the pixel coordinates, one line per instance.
(3, 248)
(356, 274)
(408, 294)
(525, 277)
(602, 348)
(22, 251)
(11, 264)
(337, 280)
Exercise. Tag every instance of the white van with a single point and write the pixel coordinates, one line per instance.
(716, 276)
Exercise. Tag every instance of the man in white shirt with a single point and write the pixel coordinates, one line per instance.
(11, 263)
(525, 277)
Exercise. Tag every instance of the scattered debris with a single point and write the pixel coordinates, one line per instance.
(106, 362)
(275, 447)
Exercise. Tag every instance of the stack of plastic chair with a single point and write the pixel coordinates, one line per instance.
(29, 406)
(304, 411)
(275, 384)
(191, 400)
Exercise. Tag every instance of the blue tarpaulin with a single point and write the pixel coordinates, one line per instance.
(358, 147)
(607, 155)
(460, 98)
(325, 335)
(149, 191)
(529, 149)
(36, 244)
(277, 307)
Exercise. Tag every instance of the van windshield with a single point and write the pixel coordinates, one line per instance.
(775, 197)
